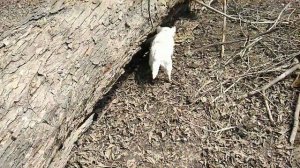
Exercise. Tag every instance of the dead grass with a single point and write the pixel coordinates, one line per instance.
(198, 120)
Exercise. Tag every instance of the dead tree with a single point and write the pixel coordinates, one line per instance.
(56, 65)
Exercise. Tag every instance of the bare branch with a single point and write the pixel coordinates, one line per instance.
(224, 28)
(239, 19)
(296, 122)
(267, 106)
(280, 77)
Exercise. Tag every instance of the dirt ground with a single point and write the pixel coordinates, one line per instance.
(198, 120)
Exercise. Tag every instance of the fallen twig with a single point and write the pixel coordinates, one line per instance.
(209, 3)
(234, 18)
(296, 122)
(260, 36)
(279, 16)
(280, 77)
(197, 93)
(268, 48)
(267, 106)
(226, 90)
(213, 131)
(220, 130)
(287, 58)
(234, 41)
(255, 40)
(272, 68)
(219, 43)
(244, 50)
(224, 27)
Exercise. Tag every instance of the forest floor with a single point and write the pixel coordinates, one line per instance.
(199, 119)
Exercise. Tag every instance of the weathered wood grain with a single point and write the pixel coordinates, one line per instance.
(56, 65)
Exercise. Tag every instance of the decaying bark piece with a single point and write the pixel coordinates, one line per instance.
(56, 65)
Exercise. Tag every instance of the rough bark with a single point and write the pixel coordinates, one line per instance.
(56, 65)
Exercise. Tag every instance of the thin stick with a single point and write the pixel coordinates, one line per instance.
(197, 93)
(224, 28)
(267, 106)
(223, 129)
(279, 16)
(215, 10)
(231, 17)
(243, 51)
(234, 41)
(220, 43)
(209, 3)
(226, 90)
(296, 122)
(213, 131)
(280, 77)
(259, 37)
(270, 49)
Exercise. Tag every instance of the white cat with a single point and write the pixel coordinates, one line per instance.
(161, 51)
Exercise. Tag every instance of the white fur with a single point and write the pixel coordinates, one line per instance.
(161, 51)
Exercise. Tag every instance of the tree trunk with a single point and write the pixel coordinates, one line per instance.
(56, 65)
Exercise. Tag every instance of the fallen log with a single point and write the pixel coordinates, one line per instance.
(56, 65)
